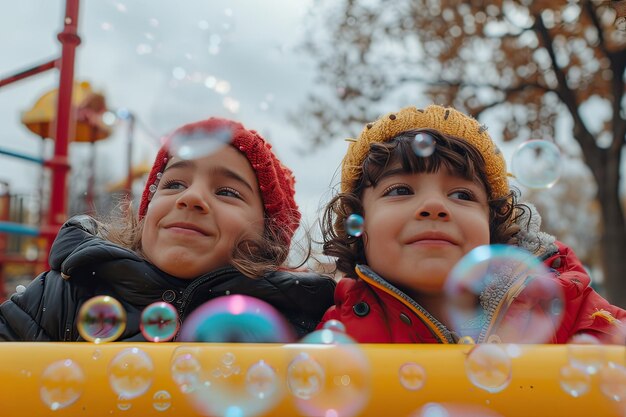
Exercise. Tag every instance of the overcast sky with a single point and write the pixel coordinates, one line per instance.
(169, 65)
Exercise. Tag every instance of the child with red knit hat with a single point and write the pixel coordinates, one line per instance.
(216, 217)
(423, 189)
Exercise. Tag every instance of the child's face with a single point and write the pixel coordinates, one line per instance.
(199, 212)
(418, 226)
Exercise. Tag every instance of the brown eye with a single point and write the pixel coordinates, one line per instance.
(397, 190)
(463, 195)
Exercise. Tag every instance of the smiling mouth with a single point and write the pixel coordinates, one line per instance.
(430, 242)
(432, 239)
(186, 229)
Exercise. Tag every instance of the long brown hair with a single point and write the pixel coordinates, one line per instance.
(453, 153)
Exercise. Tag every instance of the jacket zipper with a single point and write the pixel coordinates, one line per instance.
(436, 328)
(182, 301)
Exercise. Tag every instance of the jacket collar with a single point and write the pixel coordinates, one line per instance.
(438, 329)
(494, 300)
(531, 238)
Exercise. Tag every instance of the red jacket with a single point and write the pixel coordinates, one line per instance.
(374, 311)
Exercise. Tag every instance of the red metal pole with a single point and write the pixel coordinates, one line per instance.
(64, 122)
(28, 72)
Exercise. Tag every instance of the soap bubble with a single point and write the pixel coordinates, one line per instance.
(199, 143)
(586, 352)
(101, 319)
(412, 376)
(355, 225)
(130, 373)
(305, 376)
(159, 322)
(62, 383)
(186, 371)
(334, 325)
(536, 164)
(488, 367)
(454, 410)
(532, 309)
(423, 144)
(613, 381)
(330, 375)
(236, 318)
(574, 380)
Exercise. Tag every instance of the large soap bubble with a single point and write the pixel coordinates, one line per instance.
(199, 143)
(501, 293)
(236, 318)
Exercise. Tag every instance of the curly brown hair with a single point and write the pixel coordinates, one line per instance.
(453, 153)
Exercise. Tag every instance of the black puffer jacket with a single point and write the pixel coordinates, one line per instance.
(47, 310)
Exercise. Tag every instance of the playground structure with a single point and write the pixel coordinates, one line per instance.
(70, 113)
(58, 164)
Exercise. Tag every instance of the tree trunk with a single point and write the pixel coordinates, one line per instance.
(613, 244)
(613, 241)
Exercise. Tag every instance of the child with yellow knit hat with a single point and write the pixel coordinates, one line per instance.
(430, 186)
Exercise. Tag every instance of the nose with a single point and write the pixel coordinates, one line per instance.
(193, 198)
(433, 208)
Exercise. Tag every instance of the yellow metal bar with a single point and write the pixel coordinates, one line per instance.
(534, 388)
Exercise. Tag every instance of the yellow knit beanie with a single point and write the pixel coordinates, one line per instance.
(447, 121)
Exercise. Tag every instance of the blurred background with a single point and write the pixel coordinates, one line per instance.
(307, 75)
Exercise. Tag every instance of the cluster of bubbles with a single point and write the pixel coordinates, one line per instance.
(102, 319)
(586, 364)
(130, 373)
(218, 385)
(326, 374)
(213, 34)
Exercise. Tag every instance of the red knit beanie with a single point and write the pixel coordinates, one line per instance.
(276, 181)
